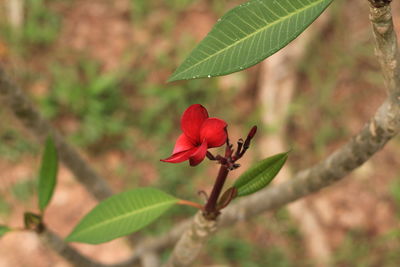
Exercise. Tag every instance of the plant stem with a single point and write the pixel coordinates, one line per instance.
(210, 211)
(190, 203)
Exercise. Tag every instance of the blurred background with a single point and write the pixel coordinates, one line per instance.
(97, 70)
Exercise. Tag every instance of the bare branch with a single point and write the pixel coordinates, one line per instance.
(74, 257)
(380, 3)
(13, 97)
(71, 255)
(386, 49)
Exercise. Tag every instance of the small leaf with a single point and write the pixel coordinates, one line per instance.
(248, 34)
(47, 174)
(260, 175)
(121, 214)
(226, 198)
(4, 229)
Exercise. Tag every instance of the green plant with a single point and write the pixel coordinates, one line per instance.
(41, 25)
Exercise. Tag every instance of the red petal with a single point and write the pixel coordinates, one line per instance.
(213, 132)
(191, 121)
(198, 155)
(179, 157)
(182, 144)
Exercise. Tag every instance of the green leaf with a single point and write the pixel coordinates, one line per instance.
(247, 34)
(121, 214)
(47, 174)
(260, 175)
(4, 229)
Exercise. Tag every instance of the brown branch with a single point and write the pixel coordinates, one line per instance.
(141, 253)
(70, 254)
(74, 257)
(383, 126)
(16, 99)
(380, 3)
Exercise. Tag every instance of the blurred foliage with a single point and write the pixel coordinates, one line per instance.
(13, 144)
(92, 97)
(5, 208)
(359, 249)
(41, 25)
(24, 190)
(229, 249)
(40, 28)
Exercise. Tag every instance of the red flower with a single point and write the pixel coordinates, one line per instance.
(199, 133)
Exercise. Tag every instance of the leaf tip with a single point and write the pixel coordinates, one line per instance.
(73, 237)
(173, 77)
(70, 238)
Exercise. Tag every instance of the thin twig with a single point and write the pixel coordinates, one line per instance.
(190, 203)
(71, 255)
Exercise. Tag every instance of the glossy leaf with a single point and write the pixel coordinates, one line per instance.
(4, 229)
(247, 34)
(47, 174)
(260, 175)
(121, 214)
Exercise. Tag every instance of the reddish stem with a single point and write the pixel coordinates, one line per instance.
(210, 209)
(190, 203)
